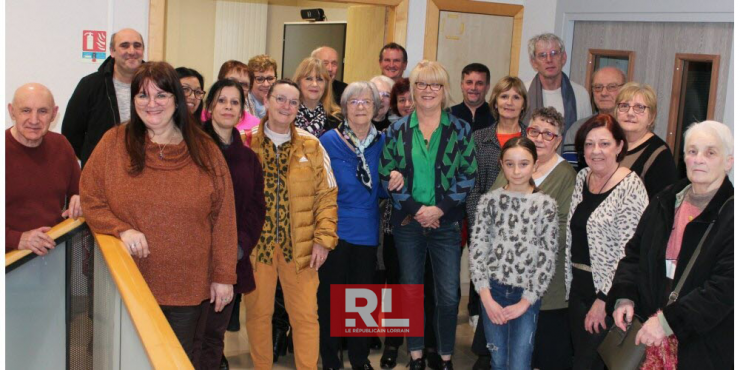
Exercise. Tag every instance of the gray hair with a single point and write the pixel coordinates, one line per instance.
(547, 38)
(357, 88)
(384, 79)
(716, 129)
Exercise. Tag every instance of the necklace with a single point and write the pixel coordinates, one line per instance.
(161, 147)
(607, 180)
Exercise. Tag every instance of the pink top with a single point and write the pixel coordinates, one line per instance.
(686, 213)
(245, 124)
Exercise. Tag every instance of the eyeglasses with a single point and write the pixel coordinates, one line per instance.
(552, 53)
(358, 102)
(637, 108)
(190, 91)
(283, 100)
(262, 79)
(546, 135)
(142, 99)
(424, 85)
(609, 87)
(384, 94)
(244, 85)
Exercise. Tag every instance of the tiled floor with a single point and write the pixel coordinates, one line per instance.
(237, 347)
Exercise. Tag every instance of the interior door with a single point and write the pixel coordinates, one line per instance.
(465, 38)
(365, 38)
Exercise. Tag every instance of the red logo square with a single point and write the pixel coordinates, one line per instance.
(390, 310)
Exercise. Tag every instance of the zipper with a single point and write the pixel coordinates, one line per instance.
(277, 198)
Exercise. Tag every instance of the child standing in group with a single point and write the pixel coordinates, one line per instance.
(512, 256)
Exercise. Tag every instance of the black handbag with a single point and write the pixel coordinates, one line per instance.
(618, 350)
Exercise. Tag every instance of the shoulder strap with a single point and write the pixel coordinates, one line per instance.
(650, 160)
(674, 294)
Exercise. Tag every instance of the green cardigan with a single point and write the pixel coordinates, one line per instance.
(559, 185)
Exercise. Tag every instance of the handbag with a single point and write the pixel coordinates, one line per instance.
(618, 350)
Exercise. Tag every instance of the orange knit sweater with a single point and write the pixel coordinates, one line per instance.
(186, 215)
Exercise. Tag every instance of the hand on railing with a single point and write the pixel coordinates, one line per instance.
(74, 209)
(221, 294)
(37, 241)
(135, 243)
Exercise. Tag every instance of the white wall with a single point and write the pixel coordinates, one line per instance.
(43, 42)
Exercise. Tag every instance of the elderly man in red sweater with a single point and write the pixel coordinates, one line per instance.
(41, 172)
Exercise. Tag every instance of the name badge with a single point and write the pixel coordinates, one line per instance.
(670, 268)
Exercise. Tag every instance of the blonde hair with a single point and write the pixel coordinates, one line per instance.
(432, 73)
(310, 66)
(632, 89)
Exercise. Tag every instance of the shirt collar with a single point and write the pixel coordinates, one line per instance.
(414, 120)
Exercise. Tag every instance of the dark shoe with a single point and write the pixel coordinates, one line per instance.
(434, 360)
(366, 366)
(417, 364)
(446, 365)
(224, 363)
(375, 343)
(482, 363)
(388, 359)
(279, 344)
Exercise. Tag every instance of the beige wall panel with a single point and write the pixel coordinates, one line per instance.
(655, 45)
(240, 31)
(465, 38)
(190, 35)
(365, 35)
(281, 11)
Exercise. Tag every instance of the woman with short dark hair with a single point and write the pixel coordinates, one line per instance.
(607, 203)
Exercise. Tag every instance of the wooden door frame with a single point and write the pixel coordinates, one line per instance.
(395, 27)
(434, 7)
(672, 134)
(593, 53)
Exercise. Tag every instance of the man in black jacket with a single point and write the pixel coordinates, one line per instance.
(475, 83)
(103, 98)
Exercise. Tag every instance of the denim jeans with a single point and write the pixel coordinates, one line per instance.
(510, 344)
(413, 243)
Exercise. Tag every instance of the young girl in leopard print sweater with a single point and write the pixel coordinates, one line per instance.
(512, 256)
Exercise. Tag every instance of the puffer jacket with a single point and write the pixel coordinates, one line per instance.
(312, 193)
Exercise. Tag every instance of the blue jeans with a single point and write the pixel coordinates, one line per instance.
(413, 242)
(510, 344)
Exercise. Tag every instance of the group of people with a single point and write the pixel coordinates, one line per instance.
(274, 189)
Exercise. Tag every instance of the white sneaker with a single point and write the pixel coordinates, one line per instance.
(473, 321)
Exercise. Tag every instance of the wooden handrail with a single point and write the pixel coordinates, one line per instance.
(158, 339)
(56, 232)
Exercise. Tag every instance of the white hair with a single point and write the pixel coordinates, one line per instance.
(716, 129)
(384, 79)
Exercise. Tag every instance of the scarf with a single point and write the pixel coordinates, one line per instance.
(569, 100)
(259, 109)
(359, 146)
(312, 121)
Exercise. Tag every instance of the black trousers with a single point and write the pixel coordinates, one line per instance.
(346, 264)
(585, 343)
(184, 322)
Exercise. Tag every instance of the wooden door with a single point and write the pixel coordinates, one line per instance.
(365, 38)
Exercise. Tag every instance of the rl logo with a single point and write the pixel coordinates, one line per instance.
(393, 310)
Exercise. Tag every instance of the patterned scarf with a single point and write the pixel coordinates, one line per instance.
(363, 170)
(312, 121)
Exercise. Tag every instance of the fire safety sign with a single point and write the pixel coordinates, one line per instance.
(93, 46)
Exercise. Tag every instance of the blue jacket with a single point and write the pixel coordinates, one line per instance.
(357, 208)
